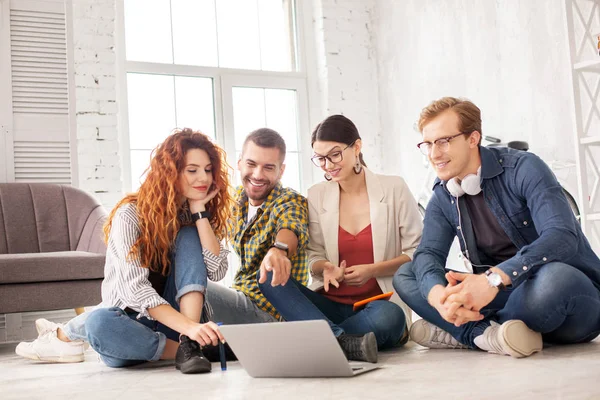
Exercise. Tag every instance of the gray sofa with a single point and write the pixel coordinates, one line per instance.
(51, 247)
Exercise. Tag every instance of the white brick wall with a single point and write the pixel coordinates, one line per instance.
(347, 69)
(96, 104)
(509, 56)
(347, 84)
(377, 62)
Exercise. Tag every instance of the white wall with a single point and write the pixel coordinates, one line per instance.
(510, 57)
(346, 69)
(96, 107)
(378, 62)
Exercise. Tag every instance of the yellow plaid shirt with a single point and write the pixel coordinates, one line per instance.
(283, 209)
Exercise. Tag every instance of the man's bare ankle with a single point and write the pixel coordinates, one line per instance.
(60, 334)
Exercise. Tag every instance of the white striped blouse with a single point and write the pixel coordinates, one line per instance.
(126, 282)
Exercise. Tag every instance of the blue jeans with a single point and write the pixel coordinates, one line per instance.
(120, 338)
(557, 300)
(232, 307)
(296, 302)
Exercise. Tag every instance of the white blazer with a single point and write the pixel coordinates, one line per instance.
(395, 222)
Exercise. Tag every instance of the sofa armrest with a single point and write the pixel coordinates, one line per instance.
(92, 236)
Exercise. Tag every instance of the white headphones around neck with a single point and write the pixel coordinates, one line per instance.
(471, 185)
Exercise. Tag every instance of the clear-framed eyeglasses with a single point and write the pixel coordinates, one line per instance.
(334, 158)
(443, 144)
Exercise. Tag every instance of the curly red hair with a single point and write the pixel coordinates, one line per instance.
(157, 200)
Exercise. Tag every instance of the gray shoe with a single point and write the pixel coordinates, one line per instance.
(428, 335)
(512, 338)
(359, 347)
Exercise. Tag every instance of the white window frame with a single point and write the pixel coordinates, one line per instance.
(224, 79)
(229, 81)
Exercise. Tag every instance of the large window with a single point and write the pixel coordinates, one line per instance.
(224, 67)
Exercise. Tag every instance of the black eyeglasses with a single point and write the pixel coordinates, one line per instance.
(334, 158)
(442, 143)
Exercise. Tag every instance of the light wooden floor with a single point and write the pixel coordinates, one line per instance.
(569, 372)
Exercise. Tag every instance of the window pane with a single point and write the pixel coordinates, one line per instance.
(248, 112)
(255, 108)
(237, 25)
(281, 115)
(151, 109)
(241, 34)
(194, 32)
(276, 39)
(255, 34)
(148, 31)
(291, 175)
(140, 160)
(237, 179)
(195, 106)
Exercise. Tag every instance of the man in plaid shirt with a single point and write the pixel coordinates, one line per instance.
(269, 229)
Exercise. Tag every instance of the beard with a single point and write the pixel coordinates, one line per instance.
(257, 193)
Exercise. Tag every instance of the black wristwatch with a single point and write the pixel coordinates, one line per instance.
(282, 246)
(199, 215)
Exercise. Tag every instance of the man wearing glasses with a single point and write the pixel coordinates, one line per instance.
(535, 277)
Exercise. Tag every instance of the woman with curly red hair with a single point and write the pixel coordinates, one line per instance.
(163, 243)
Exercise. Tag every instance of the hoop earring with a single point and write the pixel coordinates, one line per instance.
(327, 177)
(357, 167)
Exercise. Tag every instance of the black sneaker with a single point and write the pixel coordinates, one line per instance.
(359, 347)
(404, 338)
(212, 353)
(189, 358)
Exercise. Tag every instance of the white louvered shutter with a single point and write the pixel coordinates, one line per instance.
(38, 73)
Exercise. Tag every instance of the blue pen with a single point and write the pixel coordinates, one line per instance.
(222, 353)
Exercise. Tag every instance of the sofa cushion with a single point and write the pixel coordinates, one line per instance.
(50, 267)
(25, 297)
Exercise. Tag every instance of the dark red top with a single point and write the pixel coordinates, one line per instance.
(355, 250)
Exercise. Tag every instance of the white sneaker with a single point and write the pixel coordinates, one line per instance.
(48, 347)
(428, 335)
(512, 338)
(42, 325)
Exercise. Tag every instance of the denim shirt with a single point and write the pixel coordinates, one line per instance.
(525, 197)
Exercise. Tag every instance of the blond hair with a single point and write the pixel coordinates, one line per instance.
(469, 115)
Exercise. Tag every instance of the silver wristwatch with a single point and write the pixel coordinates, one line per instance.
(282, 246)
(494, 279)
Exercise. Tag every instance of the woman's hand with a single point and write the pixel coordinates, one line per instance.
(200, 205)
(358, 275)
(333, 275)
(205, 334)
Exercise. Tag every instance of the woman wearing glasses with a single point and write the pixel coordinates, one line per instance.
(363, 227)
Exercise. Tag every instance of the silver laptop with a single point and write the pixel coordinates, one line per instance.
(290, 350)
